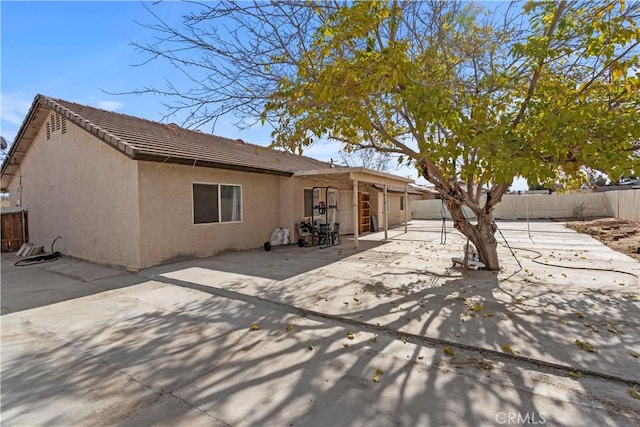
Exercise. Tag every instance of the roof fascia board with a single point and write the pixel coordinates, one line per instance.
(23, 128)
(361, 174)
(375, 177)
(205, 164)
(90, 127)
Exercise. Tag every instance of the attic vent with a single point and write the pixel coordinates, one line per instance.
(57, 123)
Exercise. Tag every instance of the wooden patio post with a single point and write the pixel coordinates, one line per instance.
(386, 220)
(406, 209)
(356, 219)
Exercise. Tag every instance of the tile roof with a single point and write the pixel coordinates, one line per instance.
(142, 139)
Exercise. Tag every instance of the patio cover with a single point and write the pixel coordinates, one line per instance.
(357, 175)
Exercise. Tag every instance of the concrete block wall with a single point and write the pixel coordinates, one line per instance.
(624, 204)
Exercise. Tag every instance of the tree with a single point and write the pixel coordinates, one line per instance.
(596, 179)
(366, 157)
(471, 99)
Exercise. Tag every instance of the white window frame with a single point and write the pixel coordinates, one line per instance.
(219, 187)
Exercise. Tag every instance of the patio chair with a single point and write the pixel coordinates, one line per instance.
(307, 236)
(322, 229)
(335, 235)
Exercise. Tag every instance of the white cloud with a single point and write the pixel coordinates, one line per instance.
(14, 108)
(110, 105)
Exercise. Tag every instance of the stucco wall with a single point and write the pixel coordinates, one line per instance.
(166, 212)
(395, 215)
(76, 186)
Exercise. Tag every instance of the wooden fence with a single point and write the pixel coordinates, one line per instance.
(14, 230)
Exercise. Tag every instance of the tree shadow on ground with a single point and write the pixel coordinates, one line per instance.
(193, 350)
(66, 278)
(288, 370)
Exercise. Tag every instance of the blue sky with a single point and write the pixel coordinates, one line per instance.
(80, 51)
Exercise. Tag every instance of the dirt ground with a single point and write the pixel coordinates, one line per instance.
(618, 234)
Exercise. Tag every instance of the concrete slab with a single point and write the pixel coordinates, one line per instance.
(174, 345)
(48, 283)
(408, 284)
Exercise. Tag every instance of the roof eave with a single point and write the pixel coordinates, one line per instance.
(9, 160)
(206, 164)
(356, 173)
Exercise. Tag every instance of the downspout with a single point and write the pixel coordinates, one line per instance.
(22, 216)
(24, 226)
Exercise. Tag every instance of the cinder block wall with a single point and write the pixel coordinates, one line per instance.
(624, 204)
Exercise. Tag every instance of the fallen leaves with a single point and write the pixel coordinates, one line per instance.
(574, 374)
(633, 392)
(255, 327)
(351, 335)
(611, 328)
(449, 351)
(376, 377)
(585, 346)
(591, 329)
(507, 349)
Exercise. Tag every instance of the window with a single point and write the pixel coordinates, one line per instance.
(216, 203)
(388, 202)
(308, 202)
(311, 199)
(401, 203)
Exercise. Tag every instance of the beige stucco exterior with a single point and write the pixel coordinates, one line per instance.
(114, 210)
(76, 186)
(166, 208)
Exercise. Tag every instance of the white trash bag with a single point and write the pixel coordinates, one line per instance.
(279, 237)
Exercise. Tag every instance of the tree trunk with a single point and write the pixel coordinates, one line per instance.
(482, 234)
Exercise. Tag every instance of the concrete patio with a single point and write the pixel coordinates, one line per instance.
(174, 344)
